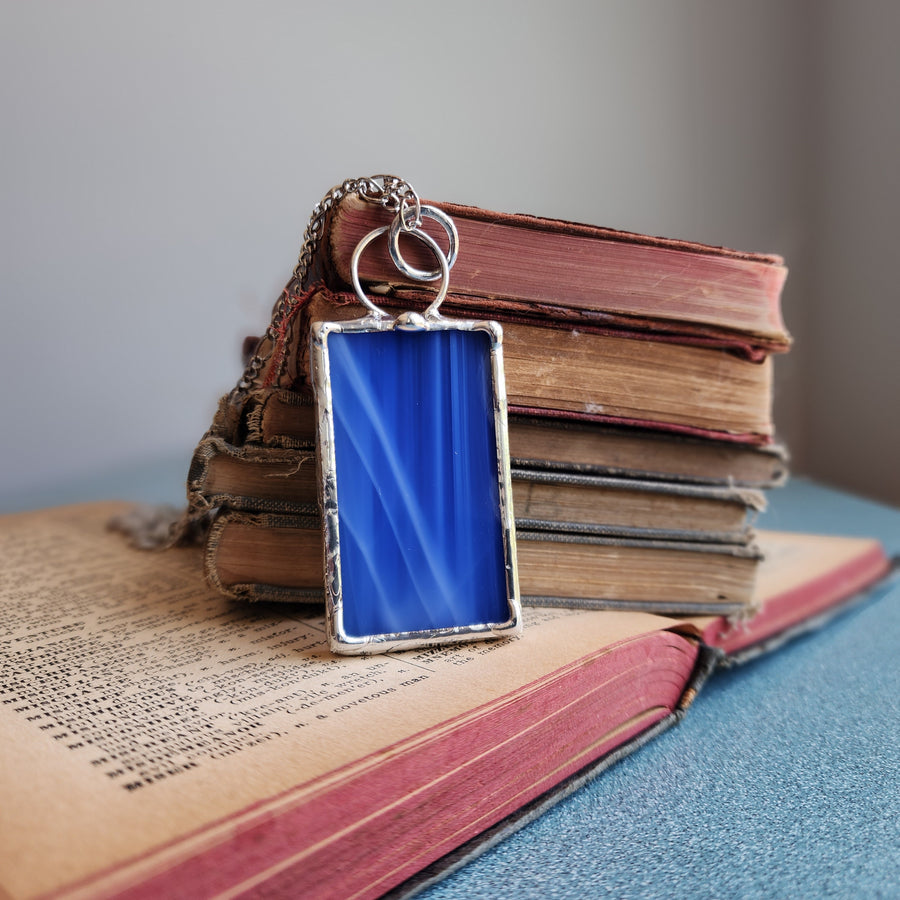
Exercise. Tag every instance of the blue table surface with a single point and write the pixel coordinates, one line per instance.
(782, 781)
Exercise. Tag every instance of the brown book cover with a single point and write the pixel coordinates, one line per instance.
(546, 500)
(613, 378)
(281, 418)
(554, 443)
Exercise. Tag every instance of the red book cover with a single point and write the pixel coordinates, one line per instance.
(520, 263)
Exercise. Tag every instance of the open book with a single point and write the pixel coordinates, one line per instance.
(159, 740)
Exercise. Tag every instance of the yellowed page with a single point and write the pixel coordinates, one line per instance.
(792, 561)
(136, 705)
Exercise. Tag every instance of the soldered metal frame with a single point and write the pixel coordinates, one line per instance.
(340, 641)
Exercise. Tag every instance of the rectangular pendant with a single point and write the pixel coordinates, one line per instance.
(414, 483)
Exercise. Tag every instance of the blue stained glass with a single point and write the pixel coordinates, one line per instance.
(421, 539)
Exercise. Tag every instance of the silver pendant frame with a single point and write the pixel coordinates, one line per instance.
(379, 321)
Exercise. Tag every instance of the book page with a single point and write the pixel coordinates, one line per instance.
(800, 575)
(137, 705)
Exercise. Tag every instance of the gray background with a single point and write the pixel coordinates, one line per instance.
(159, 163)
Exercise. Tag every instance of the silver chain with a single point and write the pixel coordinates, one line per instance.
(389, 191)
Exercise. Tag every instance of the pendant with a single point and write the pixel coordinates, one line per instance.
(414, 472)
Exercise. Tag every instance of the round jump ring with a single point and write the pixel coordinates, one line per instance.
(397, 227)
(429, 241)
(354, 270)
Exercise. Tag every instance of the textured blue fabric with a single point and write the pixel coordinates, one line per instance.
(421, 540)
(782, 781)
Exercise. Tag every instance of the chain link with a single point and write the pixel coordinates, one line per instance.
(388, 191)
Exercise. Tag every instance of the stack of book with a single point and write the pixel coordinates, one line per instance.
(639, 384)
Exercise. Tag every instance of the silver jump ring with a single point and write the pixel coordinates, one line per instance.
(398, 226)
(429, 241)
(354, 270)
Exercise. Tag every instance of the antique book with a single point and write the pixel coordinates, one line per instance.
(265, 479)
(279, 557)
(160, 741)
(554, 443)
(524, 264)
(551, 368)
(283, 418)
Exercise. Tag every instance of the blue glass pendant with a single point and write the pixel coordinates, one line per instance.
(414, 483)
